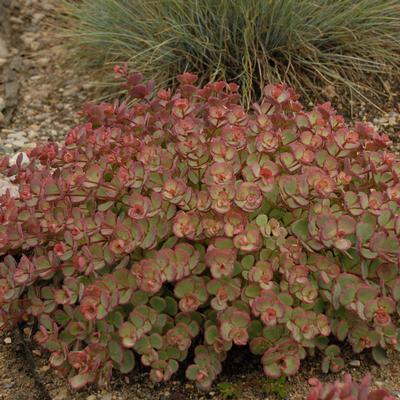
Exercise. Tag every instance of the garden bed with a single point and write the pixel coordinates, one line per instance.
(42, 95)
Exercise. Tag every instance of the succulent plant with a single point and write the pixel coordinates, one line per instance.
(184, 220)
(347, 389)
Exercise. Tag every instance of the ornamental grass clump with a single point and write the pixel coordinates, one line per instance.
(182, 226)
(309, 44)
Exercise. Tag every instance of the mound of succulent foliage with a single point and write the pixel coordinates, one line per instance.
(182, 226)
(348, 390)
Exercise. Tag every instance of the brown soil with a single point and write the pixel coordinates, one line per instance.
(41, 96)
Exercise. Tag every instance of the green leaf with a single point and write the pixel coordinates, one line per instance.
(139, 297)
(262, 220)
(158, 303)
(184, 287)
(364, 231)
(156, 341)
(259, 345)
(342, 330)
(79, 381)
(272, 370)
(51, 191)
(286, 298)
(248, 261)
(300, 229)
(42, 263)
(332, 350)
(191, 372)
(347, 295)
(115, 350)
(291, 365)
(252, 290)
(325, 366)
(61, 317)
(288, 136)
(105, 206)
(273, 333)
(211, 334)
(380, 356)
(171, 306)
(93, 175)
(396, 291)
(128, 362)
(255, 329)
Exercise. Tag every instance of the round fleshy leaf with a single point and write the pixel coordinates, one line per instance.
(332, 351)
(158, 303)
(79, 381)
(156, 341)
(248, 261)
(325, 366)
(171, 307)
(128, 334)
(191, 372)
(259, 345)
(184, 287)
(211, 334)
(380, 356)
(115, 350)
(128, 362)
(291, 365)
(272, 370)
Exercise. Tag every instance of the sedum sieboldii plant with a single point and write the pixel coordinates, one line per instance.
(182, 226)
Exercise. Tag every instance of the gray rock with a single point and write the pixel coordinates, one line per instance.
(2, 104)
(43, 61)
(37, 17)
(17, 135)
(32, 134)
(62, 395)
(355, 363)
(19, 143)
(3, 49)
(41, 117)
(11, 89)
(70, 91)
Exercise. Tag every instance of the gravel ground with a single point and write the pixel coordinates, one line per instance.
(40, 95)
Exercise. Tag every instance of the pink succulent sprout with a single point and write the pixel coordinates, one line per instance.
(347, 388)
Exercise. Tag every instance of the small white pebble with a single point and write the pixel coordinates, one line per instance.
(7, 340)
(44, 369)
